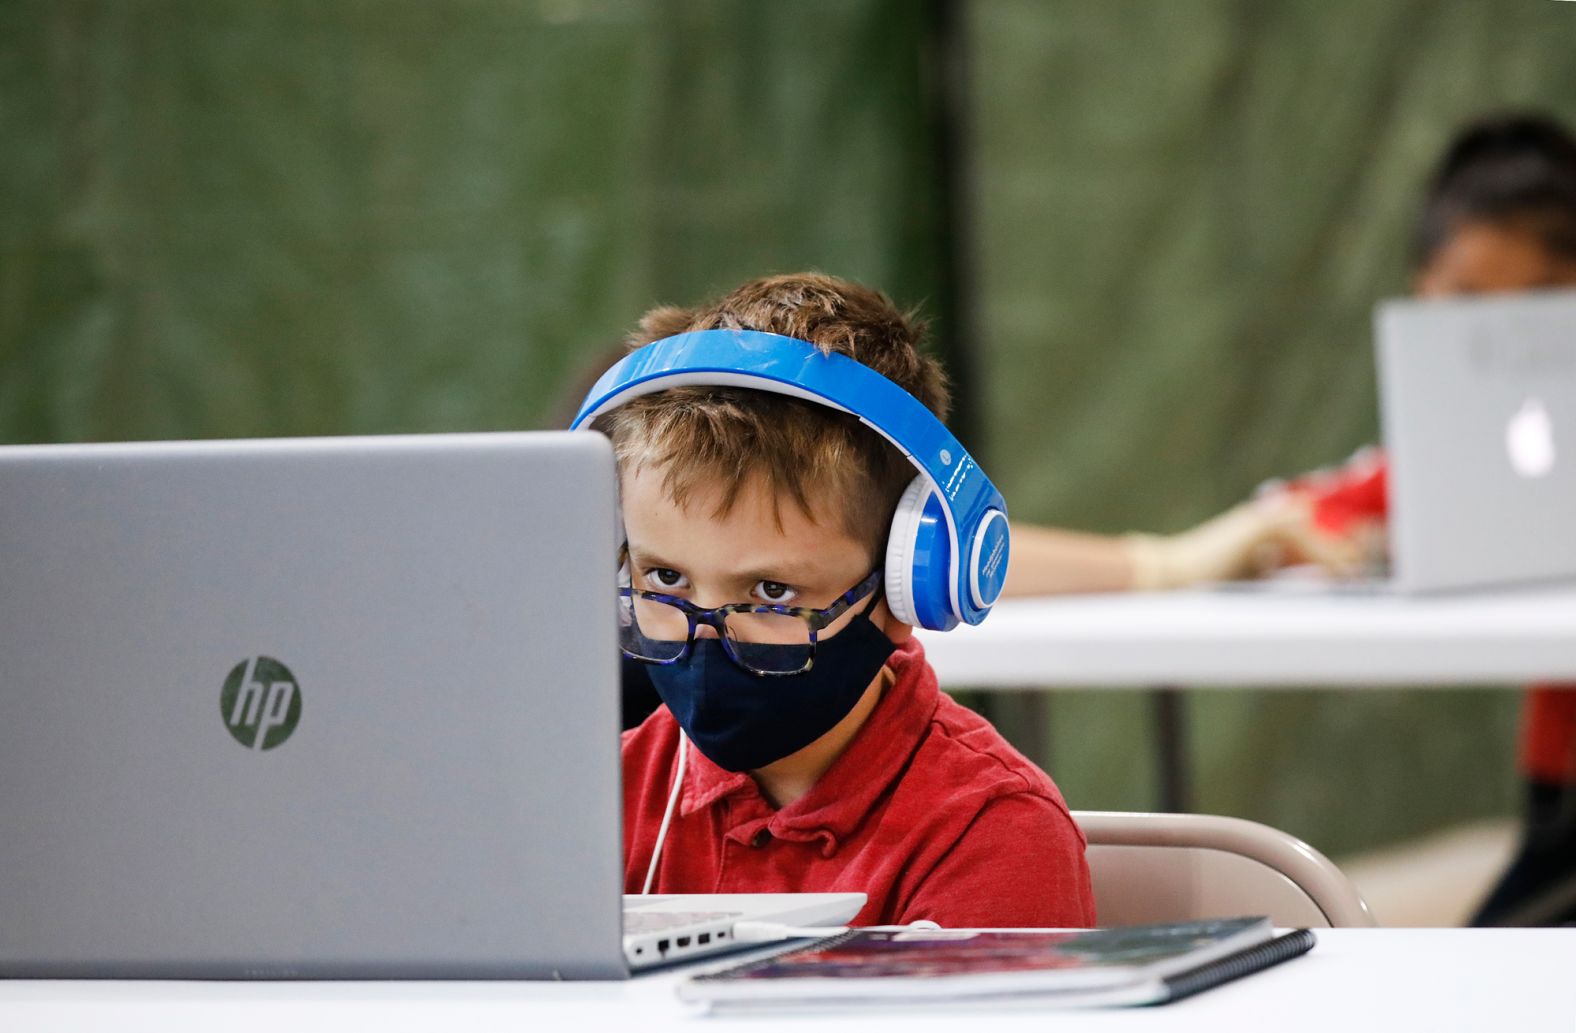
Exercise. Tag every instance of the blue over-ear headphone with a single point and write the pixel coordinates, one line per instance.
(947, 551)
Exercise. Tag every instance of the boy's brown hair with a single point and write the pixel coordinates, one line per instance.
(834, 468)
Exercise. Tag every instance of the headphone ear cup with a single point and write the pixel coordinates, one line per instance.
(918, 557)
(900, 551)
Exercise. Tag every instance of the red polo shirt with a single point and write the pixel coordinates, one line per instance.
(929, 811)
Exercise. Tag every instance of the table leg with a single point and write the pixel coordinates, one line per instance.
(1168, 706)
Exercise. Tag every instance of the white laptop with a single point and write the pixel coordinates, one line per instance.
(1479, 416)
(1478, 412)
(321, 709)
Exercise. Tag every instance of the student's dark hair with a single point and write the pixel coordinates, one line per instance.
(1516, 169)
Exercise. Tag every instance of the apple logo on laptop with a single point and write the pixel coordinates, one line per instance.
(1529, 438)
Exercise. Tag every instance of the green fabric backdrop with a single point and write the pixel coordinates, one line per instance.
(1186, 212)
(223, 218)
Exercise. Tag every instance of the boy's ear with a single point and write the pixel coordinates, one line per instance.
(890, 626)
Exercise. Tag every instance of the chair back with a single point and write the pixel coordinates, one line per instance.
(1182, 867)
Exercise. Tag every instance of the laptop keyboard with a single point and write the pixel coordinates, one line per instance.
(657, 921)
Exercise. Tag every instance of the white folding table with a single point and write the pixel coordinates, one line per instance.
(1280, 634)
(1353, 980)
(1268, 636)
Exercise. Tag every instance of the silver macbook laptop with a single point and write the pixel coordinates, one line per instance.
(1478, 411)
(320, 708)
(1479, 416)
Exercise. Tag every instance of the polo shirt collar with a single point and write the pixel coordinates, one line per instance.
(848, 790)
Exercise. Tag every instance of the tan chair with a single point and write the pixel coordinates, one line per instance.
(1179, 867)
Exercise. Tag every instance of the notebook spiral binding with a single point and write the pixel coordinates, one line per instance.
(1235, 966)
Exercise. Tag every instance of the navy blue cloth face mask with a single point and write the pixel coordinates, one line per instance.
(742, 721)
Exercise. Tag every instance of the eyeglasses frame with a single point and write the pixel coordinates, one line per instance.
(817, 620)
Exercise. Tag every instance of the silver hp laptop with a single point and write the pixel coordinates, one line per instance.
(318, 708)
(1479, 416)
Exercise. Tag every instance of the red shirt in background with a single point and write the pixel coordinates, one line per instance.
(929, 811)
(1357, 491)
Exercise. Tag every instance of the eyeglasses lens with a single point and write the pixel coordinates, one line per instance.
(769, 643)
(651, 630)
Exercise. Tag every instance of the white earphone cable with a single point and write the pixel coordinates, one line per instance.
(667, 814)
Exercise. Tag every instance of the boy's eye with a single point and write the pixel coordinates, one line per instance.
(775, 592)
(666, 579)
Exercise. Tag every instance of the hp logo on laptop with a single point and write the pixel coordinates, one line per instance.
(261, 703)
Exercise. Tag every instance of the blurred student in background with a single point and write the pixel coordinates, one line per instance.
(1499, 216)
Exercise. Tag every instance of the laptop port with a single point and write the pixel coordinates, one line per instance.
(662, 945)
(703, 939)
(682, 941)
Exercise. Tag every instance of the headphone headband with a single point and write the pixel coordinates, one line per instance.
(970, 504)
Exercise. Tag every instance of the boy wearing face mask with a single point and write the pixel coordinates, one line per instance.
(855, 773)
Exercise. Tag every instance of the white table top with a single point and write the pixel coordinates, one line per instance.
(1355, 979)
(1285, 636)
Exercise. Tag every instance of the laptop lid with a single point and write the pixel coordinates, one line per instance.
(310, 708)
(1478, 404)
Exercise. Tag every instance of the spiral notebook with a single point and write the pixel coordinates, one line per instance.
(1139, 965)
